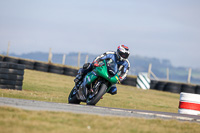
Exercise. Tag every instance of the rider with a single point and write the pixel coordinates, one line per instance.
(120, 57)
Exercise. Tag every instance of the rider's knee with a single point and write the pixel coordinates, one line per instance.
(87, 67)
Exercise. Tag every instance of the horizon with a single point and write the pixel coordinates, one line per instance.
(86, 53)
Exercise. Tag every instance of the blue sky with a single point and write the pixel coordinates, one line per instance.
(165, 29)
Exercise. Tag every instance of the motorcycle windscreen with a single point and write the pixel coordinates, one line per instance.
(112, 67)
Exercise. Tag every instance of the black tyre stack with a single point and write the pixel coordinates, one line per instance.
(56, 69)
(160, 85)
(40, 66)
(172, 87)
(11, 75)
(197, 90)
(10, 59)
(28, 64)
(130, 81)
(153, 84)
(188, 88)
(1, 58)
(70, 71)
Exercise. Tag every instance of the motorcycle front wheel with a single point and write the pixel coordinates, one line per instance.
(92, 100)
(72, 97)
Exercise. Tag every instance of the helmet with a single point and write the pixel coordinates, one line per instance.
(122, 52)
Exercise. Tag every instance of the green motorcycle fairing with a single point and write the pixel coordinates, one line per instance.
(101, 71)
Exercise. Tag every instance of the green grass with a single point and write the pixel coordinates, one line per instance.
(14, 120)
(55, 88)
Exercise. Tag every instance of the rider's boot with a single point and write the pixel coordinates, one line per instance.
(113, 90)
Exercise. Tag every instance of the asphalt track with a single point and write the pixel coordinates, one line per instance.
(95, 110)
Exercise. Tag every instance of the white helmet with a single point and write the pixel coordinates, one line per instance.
(122, 52)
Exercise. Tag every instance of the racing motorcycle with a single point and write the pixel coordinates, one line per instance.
(95, 83)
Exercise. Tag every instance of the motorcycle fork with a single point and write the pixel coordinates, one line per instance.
(95, 86)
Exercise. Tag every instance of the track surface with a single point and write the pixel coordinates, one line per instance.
(103, 111)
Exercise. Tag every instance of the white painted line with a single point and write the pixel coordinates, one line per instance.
(118, 110)
(184, 118)
(164, 116)
(144, 113)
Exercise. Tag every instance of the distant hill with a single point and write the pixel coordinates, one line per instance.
(138, 64)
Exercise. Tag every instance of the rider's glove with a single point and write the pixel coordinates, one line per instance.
(96, 64)
(120, 79)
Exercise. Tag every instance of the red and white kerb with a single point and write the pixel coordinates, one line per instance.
(189, 103)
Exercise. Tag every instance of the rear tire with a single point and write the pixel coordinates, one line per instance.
(72, 97)
(96, 98)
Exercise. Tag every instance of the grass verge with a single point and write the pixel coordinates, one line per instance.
(56, 88)
(14, 120)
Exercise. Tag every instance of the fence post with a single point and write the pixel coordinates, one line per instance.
(79, 57)
(149, 71)
(86, 59)
(167, 74)
(63, 61)
(50, 56)
(154, 76)
(189, 75)
(8, 48)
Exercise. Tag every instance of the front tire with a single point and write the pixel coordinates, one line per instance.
(96, 98)
(72, 97)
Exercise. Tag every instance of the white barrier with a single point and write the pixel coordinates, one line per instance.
(189, 104)
(143, 81)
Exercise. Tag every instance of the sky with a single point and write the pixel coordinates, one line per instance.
(164, 29)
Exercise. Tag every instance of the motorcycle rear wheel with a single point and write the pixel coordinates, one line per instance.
(72, 97)
(97, 97)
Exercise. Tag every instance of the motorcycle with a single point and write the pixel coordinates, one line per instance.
(95, 83)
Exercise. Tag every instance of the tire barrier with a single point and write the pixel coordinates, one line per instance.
(188, 88)
(189, 103)
(41, 66)
(129, 81)
(153, 84)
(1, 58)
(11, 75)
(197, 90)
(70, 71)
(10, 59)
(28, 64)
(160, 85)
(54, 68)
(143, 81)
(172, 87)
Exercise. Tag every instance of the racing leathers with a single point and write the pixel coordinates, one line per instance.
(123, 66)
